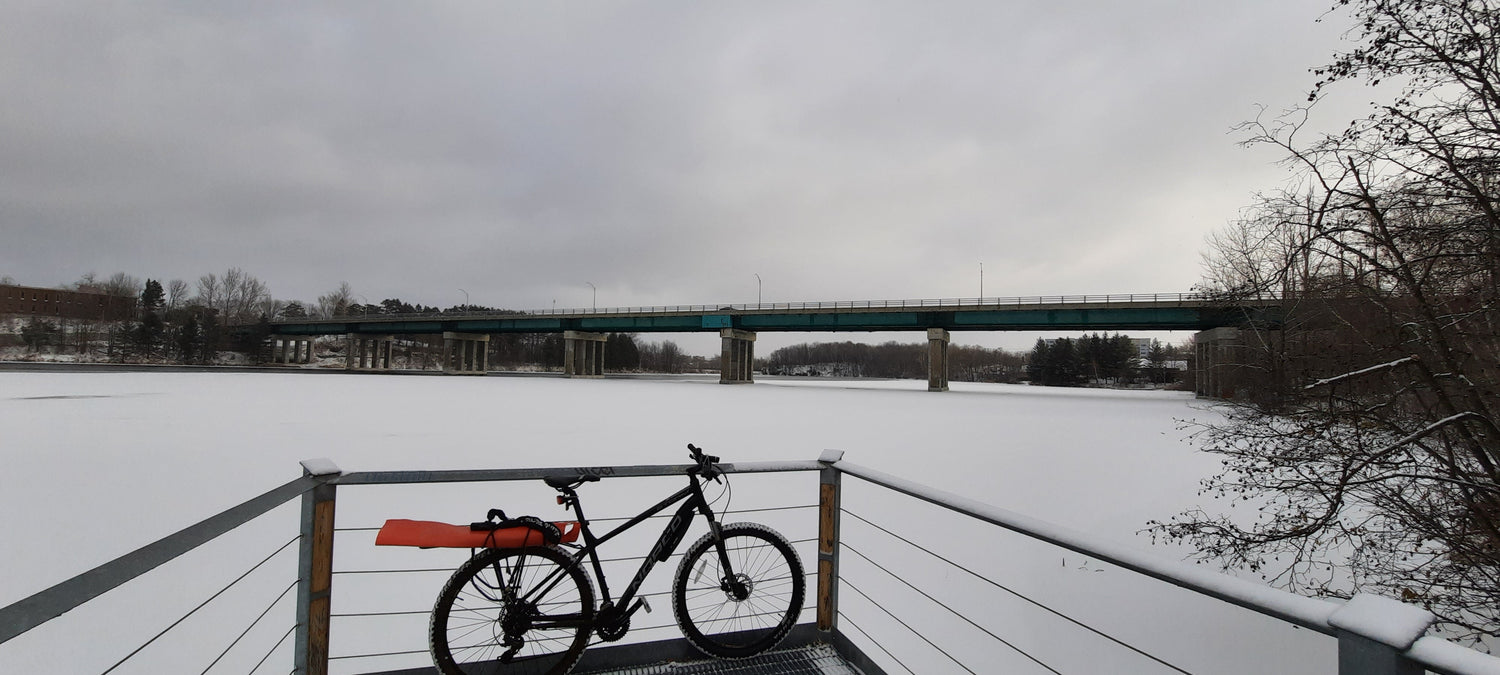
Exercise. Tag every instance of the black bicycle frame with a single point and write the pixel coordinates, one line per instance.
(666, 545)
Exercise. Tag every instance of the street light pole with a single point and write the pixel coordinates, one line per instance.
(757, 290)
(596, 294)
(466, 298)
(981, 281)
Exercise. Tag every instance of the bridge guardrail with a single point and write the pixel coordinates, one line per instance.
(928, 303)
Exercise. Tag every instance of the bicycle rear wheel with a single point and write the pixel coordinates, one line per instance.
(747, 609)
(527, 602)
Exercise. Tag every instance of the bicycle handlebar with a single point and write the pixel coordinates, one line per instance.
(705, 463)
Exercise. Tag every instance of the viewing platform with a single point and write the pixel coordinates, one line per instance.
(901, 578)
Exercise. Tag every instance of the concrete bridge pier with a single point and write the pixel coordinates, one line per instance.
(466, 353)
(937, 359)
(369, 352)
(1218, 361)
(583, 354)
(291, 349)
(737, 362)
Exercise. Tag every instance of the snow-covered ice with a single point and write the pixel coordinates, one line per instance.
(98, 464)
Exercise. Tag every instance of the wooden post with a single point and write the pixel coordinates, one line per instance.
(315, 570)
(828, 541)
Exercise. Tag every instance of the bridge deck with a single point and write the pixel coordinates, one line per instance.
(1158, 311)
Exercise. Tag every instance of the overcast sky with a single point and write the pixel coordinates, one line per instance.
(667, 152)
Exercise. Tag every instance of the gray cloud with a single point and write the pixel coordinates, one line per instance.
(666, 152)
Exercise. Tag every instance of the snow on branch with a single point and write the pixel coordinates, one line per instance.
(1428, 430)
(1361, 372)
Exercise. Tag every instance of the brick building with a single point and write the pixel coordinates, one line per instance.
(61, 304)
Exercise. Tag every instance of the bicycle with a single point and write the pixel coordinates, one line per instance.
(523, 603)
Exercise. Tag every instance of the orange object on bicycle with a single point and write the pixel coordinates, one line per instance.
(431, 534)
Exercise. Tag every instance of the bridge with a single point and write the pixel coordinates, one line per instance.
(466, 333)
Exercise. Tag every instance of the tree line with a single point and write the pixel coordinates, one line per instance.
(892, 360)
(1101, 359)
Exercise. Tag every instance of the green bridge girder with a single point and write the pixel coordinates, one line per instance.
(1061, 317)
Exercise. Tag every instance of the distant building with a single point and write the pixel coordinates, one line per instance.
(61, 304)
(1142, 347)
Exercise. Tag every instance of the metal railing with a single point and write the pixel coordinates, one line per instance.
(1170, 299)
(236, 625)
(1374, 635)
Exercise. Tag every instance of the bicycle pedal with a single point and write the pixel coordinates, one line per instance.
(646, 605)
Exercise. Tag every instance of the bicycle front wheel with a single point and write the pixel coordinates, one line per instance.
(745, 608)
(523, 611)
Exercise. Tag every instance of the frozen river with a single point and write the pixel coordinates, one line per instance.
(97, 464)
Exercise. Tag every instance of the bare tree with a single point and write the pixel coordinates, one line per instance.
(123, 285)
(210, 291)
(177, 291)
(237, 296)
(1375, 461)
(335, 302)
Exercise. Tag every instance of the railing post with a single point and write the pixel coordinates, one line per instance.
(315, 570)
(828, 541)
(1374, 633)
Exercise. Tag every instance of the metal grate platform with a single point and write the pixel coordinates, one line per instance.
(816, 659)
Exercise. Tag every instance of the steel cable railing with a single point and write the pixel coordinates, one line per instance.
(251, 627)
(949, 609)
(205, 603)
(273, 649)
(846, 584)
(846, 619)
(993, 583)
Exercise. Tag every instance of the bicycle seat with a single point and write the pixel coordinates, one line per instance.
(560, 482)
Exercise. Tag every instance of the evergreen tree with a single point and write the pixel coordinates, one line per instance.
(149, 333)
(1116, 357)
(294, 310)
(621, 353)
(153, 297)
(147, 336)
(187, 339)
(1156, 359)
(38, 333)
(1036, 369)
(208, 342)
